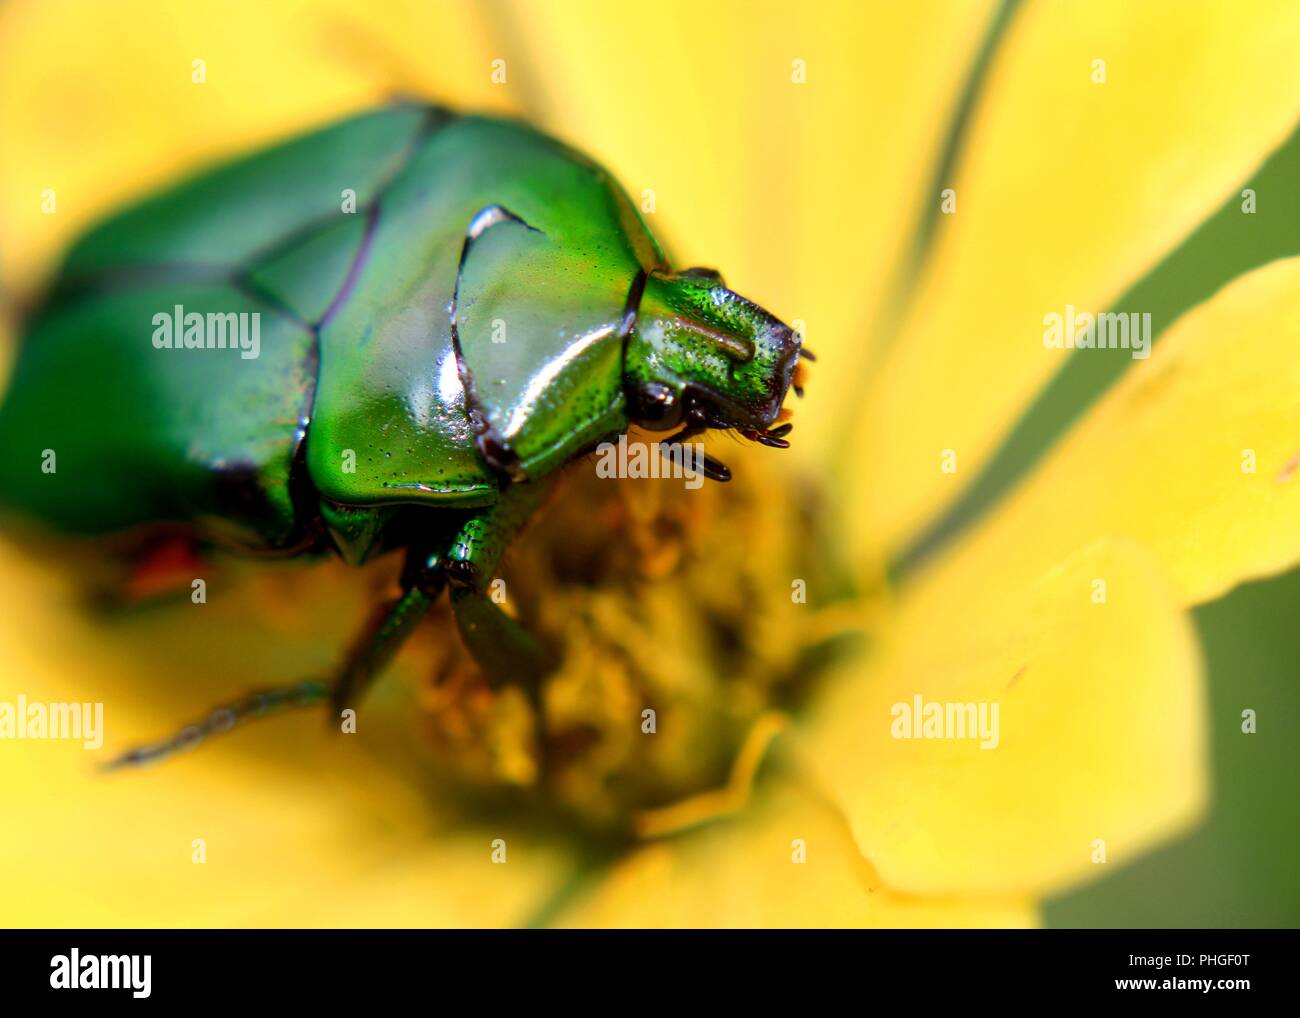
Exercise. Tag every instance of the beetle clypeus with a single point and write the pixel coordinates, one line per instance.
(492, 309)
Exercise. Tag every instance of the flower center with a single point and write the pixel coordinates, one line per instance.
(679, 615)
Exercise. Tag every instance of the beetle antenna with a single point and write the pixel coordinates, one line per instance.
(307, 693)
(768, 438)
(715, 469)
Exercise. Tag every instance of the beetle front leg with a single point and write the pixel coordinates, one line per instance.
(505, 650)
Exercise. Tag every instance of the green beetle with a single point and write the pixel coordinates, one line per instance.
(386, 334)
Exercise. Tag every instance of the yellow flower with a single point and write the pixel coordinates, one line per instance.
(797, 149)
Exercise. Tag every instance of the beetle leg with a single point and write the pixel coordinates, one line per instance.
(422, 583)
(262, 703)
(505, 650)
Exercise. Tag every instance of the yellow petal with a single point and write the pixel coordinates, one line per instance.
(790, 862)
(1195, 454)
(1069, 192)
(98, 102)
(802, 192)
(1098, 745)
(294, 826)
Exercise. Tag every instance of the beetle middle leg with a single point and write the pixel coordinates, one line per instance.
(423, 580)
(505, 650)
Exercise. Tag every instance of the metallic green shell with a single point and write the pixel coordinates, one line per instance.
(347, 241)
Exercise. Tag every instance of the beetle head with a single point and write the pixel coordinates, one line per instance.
(702, 357)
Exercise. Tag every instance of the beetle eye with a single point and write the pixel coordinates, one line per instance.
(657, 407)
